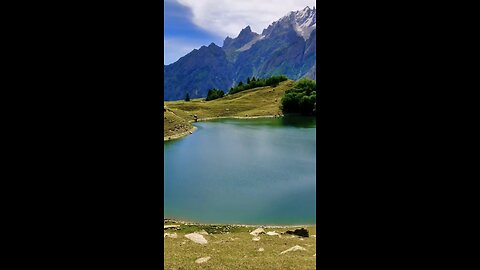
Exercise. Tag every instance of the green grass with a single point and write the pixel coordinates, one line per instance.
(231, 247)
(262, 101)
(174, 124)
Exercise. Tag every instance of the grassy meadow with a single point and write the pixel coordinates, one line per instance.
(232, 247)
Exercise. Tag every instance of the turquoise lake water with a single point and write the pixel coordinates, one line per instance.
(252, 171)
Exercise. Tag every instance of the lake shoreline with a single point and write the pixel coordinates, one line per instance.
(183, 134)
(179, 135)
(176, 221)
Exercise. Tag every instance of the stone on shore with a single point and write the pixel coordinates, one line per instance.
(273, 233)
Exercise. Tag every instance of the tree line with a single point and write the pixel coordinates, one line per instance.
(251, 83)
(301, 98)
(254, 82)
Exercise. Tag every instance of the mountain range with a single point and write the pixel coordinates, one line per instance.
(287, 46)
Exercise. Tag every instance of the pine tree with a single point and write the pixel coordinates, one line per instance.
(187, 97)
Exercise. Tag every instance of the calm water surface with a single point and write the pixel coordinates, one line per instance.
(255, 171)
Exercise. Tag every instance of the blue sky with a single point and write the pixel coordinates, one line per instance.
(181, 36)
(189, 24)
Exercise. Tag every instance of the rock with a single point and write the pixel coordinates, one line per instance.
(256, 238)
(314, 236)
(273, 233)
(300, 232)
(257, 231)
(315, 255)
(197, 238)
(261, 249)
(170, 235)
(295, 248)
(202, 260)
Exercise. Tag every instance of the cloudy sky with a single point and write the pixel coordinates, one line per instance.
(189, 24)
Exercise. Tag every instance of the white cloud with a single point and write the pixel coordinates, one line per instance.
(174, 48)
(229, 17)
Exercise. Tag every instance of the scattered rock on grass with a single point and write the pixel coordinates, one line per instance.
(197, 238)
(202, 260)
(273, 233)
(295, 248)
(256, 238)
(165, 227)
(261, 249)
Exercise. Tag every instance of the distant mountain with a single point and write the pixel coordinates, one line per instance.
(287, 46)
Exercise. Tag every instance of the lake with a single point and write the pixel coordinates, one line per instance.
(243, 171)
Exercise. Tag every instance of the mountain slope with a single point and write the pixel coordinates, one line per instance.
(287, 46)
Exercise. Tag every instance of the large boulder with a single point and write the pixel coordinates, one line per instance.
(197, 238)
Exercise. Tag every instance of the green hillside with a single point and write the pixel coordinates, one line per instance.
(262, 101)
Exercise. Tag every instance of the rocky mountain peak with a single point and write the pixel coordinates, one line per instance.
(303, 22)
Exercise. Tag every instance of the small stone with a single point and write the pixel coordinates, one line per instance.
(202, 260)
(315, 255)
(256, 238)
(295, 248)
(261, 249)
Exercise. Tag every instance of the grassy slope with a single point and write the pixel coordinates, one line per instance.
(236, 250)
(174, 125)
(260, 101)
